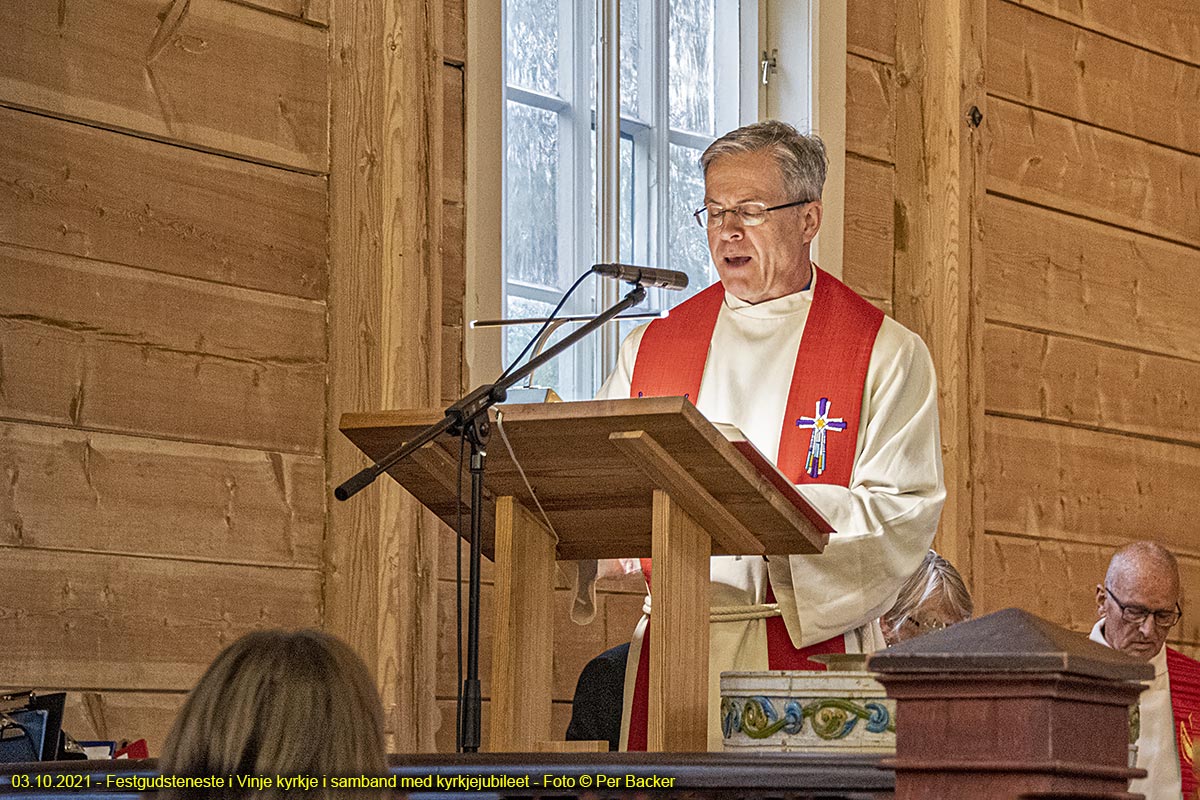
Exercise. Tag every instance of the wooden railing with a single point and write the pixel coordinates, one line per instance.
(529, 775)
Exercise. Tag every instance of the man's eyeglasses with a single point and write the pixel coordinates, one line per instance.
(751, 214)
(1136, 615)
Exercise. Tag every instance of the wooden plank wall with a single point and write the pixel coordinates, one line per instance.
(162, 342)
(912, 182)
(869, 238)
(939, 189)
(164, 355)
(1092, 353)
(387, 133)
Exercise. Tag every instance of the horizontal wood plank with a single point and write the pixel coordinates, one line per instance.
(90, 491)
(116, 349)
(1110, 84)
(1057, 581)
(1016, 572)
(216, 75)
(115, 622)
(633, 584)
(313, 11)
(1056, 482)
(1093, 173)
(64, 377)
(1084, 383)
(871, 29)
(84, 191)
(1170, 27)
(1068, 275)
(159, 311)
(870, 112)
(870, 217)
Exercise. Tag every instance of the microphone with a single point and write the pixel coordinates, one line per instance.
(644, 276)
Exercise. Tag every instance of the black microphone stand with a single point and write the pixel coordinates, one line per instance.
(469, 417)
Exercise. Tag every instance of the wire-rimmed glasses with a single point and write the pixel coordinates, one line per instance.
(712, 215)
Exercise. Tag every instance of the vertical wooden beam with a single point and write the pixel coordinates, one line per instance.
(384, 338)
(939, 199)
(355, 208)
(523, 630)
(677, 718)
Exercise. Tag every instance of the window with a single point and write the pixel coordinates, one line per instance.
(687, 70)
(678, 90)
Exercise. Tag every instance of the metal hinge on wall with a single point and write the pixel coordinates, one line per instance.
(769, 65)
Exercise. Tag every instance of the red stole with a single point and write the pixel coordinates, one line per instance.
(1184, 675)
(820, 425)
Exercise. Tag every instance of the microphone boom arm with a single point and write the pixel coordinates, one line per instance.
(464, 418)
(480, 400)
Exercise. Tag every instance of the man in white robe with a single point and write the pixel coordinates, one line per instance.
(1139, 594)
(762, 210)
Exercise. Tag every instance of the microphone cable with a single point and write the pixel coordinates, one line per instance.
(516, 361)
(458, 577)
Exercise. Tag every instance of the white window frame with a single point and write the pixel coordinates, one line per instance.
(813, 100)
(814, 33)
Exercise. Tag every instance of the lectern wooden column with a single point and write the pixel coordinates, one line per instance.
(616, 479)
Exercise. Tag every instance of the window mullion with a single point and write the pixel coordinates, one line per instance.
(661, 132)
(584, 356)
(641, 132)
(608, 158)
(537, 99)
(573, 208)
(608, 128)
(687, 139)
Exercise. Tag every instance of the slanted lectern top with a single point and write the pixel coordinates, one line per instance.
(617, 479)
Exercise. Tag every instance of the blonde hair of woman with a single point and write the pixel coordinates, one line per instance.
(278, 703)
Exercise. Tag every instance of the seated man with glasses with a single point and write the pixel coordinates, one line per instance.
(840, 397)
(1138, 604)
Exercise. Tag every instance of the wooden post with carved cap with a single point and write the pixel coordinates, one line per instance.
(1011, 706)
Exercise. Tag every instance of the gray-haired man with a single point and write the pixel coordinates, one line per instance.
(841, 398)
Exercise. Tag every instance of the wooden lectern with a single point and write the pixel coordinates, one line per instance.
(617, 479)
